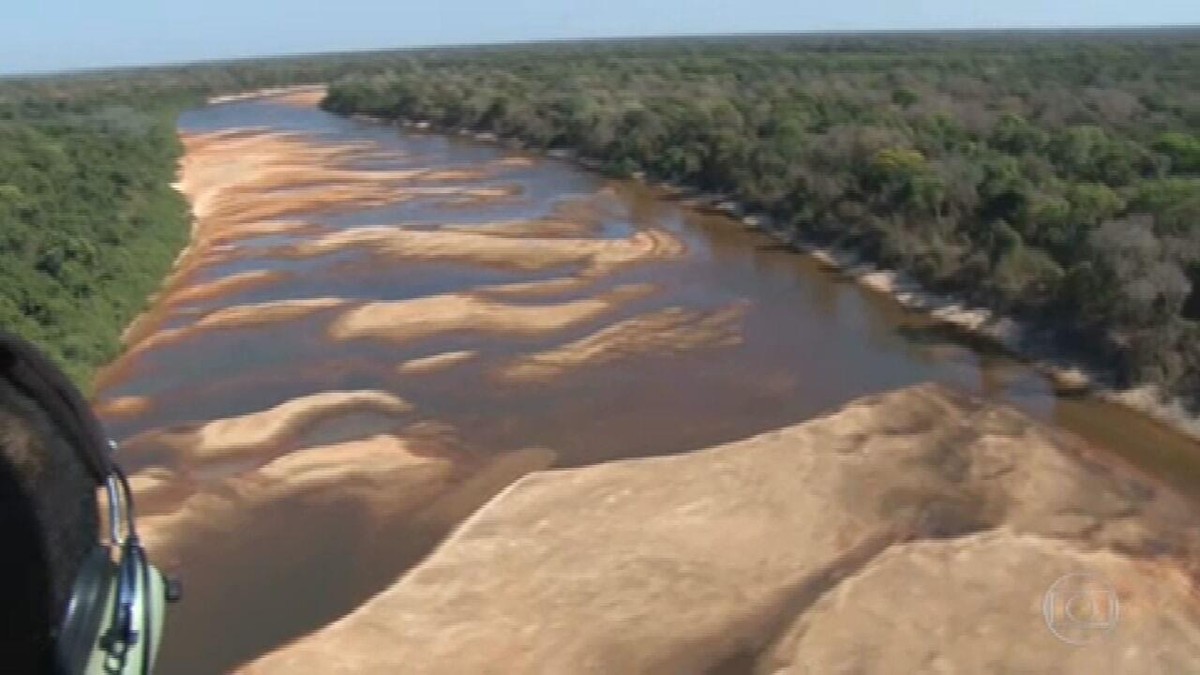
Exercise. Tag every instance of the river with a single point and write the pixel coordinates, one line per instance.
(704, 331)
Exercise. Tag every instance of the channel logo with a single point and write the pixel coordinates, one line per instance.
(1081, 609)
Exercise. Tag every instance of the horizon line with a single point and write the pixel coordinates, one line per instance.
(866, 32)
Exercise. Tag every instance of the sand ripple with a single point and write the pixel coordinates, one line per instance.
(668, 331)
(461, 313)
(599, 256)
(266, 432)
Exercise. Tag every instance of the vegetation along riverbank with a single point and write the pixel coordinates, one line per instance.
(1054, 180)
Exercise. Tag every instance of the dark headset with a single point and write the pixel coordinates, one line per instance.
(116, 606)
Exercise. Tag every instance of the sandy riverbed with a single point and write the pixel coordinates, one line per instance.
(215, 483)
(666, 331)
(917, 531)
(399, 402)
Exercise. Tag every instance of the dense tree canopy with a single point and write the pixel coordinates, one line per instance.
(1053, 177)
(88, 222)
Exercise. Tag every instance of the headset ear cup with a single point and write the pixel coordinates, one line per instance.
(80, 627)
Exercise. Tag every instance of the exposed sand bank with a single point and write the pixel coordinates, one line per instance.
(267, 312)
(223, 286)
(251, 182)
(460, 313)
(516, 162)
(379, 474)
(262, 434)
(240, 316)
(245, 180)
(909, 532)
(246, 183)
(527, 289)
(599, 256)
(124, 406)
(259, 229)
(548, 227)
(1149, 400)
(667, 331)
(299, 94)
(436, 362)
(302, 97)
(379, 502)
(212, 175)
(246, 176)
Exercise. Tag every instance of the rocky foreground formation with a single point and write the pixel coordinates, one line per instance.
(910, 532)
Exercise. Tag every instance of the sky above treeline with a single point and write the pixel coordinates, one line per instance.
(50, 35)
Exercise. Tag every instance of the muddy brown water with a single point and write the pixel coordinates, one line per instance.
(810, 341)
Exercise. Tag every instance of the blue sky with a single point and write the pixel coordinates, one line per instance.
(38, 35)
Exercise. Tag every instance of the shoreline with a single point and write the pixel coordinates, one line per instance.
(131, 333)
(1067, 376)
(265, 93)
(136, 323)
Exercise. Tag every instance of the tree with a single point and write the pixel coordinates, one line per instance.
(1182, 149)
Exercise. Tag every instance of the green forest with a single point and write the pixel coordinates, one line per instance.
(1055, 178)
(89, 224)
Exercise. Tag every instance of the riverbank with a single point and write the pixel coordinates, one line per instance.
(300, 94)
(1069, 376)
